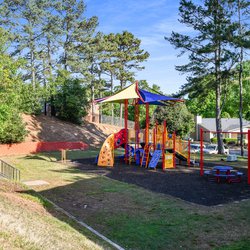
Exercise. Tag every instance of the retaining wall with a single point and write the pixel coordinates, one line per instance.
(35, 147)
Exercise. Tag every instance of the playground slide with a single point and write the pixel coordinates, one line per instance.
(179, 155)
(106, 155)
(155, 159)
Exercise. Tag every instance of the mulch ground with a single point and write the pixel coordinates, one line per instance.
(183, 182)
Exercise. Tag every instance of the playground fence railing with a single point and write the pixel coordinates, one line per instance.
(117, 121)
(9, 172)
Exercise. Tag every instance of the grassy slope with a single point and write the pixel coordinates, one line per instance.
(134, 217)
(28, 222)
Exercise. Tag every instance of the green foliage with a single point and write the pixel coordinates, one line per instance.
(230, 140)
(202, 105)
(214, 140)
(12, 128)
(178, 118)
(70, 101)
(31, 103)
(126, 55)
(211, 57)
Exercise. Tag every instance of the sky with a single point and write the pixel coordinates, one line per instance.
(150, 21)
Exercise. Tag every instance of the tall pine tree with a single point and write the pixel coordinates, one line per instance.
(209, 49)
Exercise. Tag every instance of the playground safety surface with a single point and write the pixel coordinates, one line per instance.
(182, 182)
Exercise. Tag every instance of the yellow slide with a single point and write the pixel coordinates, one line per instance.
(106, 155)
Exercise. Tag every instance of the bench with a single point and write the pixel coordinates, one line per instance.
(233, 176)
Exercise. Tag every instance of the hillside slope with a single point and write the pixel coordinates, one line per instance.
(46, 128)
(26, 224)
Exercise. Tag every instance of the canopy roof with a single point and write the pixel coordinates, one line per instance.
(152, 98)
(132, 92)
(124, 94)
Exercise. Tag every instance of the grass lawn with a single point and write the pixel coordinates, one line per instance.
(27, 221)
(132, 216)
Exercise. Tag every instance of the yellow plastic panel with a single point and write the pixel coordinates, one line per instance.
(106, 155)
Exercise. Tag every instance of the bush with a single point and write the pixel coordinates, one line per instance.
(231, 141)
(12, 128)
(71, 103)
(214, 140)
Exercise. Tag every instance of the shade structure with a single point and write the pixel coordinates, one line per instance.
(155, 99)
(128, 93)
(133, 92)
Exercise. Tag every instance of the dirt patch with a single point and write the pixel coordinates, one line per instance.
(13, 192)
(182, 183)
(46, 128)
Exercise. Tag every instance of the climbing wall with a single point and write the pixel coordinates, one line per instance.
(106, 155)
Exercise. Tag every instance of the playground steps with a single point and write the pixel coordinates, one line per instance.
(145, 157)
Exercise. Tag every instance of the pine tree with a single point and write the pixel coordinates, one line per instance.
(209, 48)
(241, 41)
(75, 29)
(126, 57)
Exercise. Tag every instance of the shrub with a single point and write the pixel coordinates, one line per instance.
(214, 140)
(12, 128)
(230, 141)
(71, 101)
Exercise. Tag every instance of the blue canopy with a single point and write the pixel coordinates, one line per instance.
(155, 99)
(132, 92)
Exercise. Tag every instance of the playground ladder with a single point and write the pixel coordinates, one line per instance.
(145, 156)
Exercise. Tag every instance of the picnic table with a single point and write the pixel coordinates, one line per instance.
(224, 174)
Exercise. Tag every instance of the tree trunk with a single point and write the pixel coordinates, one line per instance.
(240, 84)
(52, 106)
(32, 61)
(92, 102)
(217, 41)
(121, 105)
(218, 121)
(44, 85)
(112, 105)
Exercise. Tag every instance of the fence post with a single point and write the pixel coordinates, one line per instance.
(63, 155)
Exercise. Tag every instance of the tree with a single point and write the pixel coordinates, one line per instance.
(70, 101)
(209, 49)
(24, 19)
(178, 118)
(91, 55)
(76, 30)
(202, 105)
(126, 56)
(12, 128)
(241, 43)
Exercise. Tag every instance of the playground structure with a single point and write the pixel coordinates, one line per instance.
(146, 147)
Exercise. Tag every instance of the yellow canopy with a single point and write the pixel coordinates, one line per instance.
(124, 94)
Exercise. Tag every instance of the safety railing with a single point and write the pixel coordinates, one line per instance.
(9, 172)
